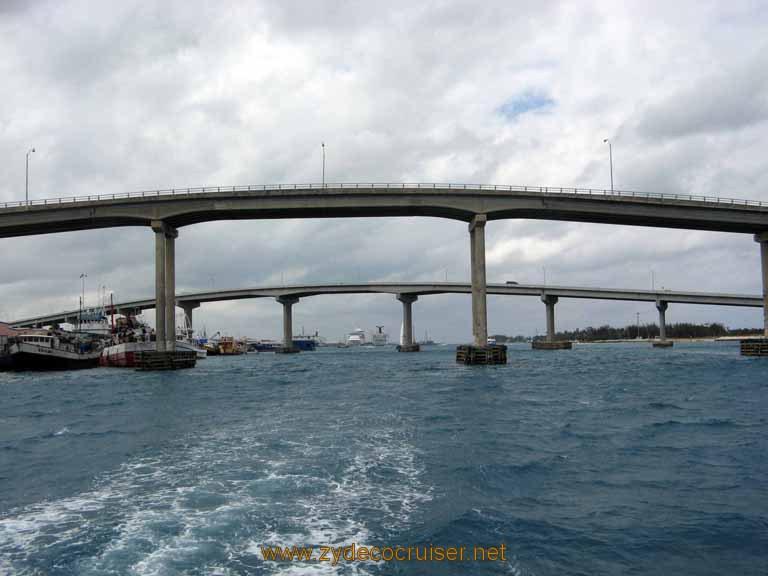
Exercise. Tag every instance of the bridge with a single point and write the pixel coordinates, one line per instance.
(166, 211)
(408, 293)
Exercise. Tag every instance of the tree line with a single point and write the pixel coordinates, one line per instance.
(606, 332)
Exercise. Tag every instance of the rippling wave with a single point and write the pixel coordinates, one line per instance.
(640, 467)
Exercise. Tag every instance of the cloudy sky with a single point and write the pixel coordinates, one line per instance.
(128, 96)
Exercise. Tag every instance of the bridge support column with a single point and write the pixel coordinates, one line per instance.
(662, 342)
(549, 343)
(759, 346)
(407, 345)
(159, 289)
(170, 292)
(165, 286)
(479, 288)
(287, 302)
(479, 352)
(188, 307)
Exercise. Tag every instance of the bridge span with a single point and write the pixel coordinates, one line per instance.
(165, 211)
(409, 292)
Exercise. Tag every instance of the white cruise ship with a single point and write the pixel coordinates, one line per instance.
(356, 337)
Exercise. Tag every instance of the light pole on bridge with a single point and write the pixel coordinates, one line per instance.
(323, 146)
(610, 158)
(26, 186)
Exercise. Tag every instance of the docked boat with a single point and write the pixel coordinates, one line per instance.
(130, 337)
(185, 340)
(52, 350)
(265, 345)
(125, 354)
(305, 343)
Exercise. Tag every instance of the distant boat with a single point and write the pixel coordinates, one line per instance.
(305, 343)
(356, 337)
(428, 341)
(379, 338)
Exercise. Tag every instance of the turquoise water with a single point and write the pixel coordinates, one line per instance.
(607, 459)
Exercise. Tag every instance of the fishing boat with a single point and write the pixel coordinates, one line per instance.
(52, 350)
(185, 339)
(130, 337)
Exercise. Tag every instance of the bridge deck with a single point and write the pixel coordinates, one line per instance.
(454, 201)
(421, 289)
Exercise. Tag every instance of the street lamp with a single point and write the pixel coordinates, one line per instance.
(610, 156)
(26, 188)
(323, 145)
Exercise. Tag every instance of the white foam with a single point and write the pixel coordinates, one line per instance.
(165, 509)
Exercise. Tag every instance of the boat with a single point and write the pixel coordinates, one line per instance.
(305, 343)
(491, 341)
(356, 337)
(130, 336)
(52, 350)
(428, 341)
(379, 338)
(185, 340)
(265, 345)
(228, 346)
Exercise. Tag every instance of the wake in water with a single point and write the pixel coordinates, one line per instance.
(207, 505)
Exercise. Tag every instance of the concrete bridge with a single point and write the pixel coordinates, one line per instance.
(166, 211)
(409, 292)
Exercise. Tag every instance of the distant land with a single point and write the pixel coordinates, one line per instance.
(646, 331)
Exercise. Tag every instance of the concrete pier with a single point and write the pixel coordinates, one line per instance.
(188, 307)
(479, 352)
(287, 302)
(170, 292)
(479, 288)
(407, 345)
(759, 346)
(662, 342)
(550, 343)
(159, 286)
(165, 286)
(763, 240)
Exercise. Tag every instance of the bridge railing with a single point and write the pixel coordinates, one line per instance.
(150, 194)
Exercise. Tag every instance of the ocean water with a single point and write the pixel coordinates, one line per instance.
(607, 459)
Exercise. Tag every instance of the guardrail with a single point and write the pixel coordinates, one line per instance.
(387, 185)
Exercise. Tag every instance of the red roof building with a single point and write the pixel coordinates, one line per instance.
(6, 330)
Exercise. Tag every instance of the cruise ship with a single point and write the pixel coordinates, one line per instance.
(379, 338)
(356, 337)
